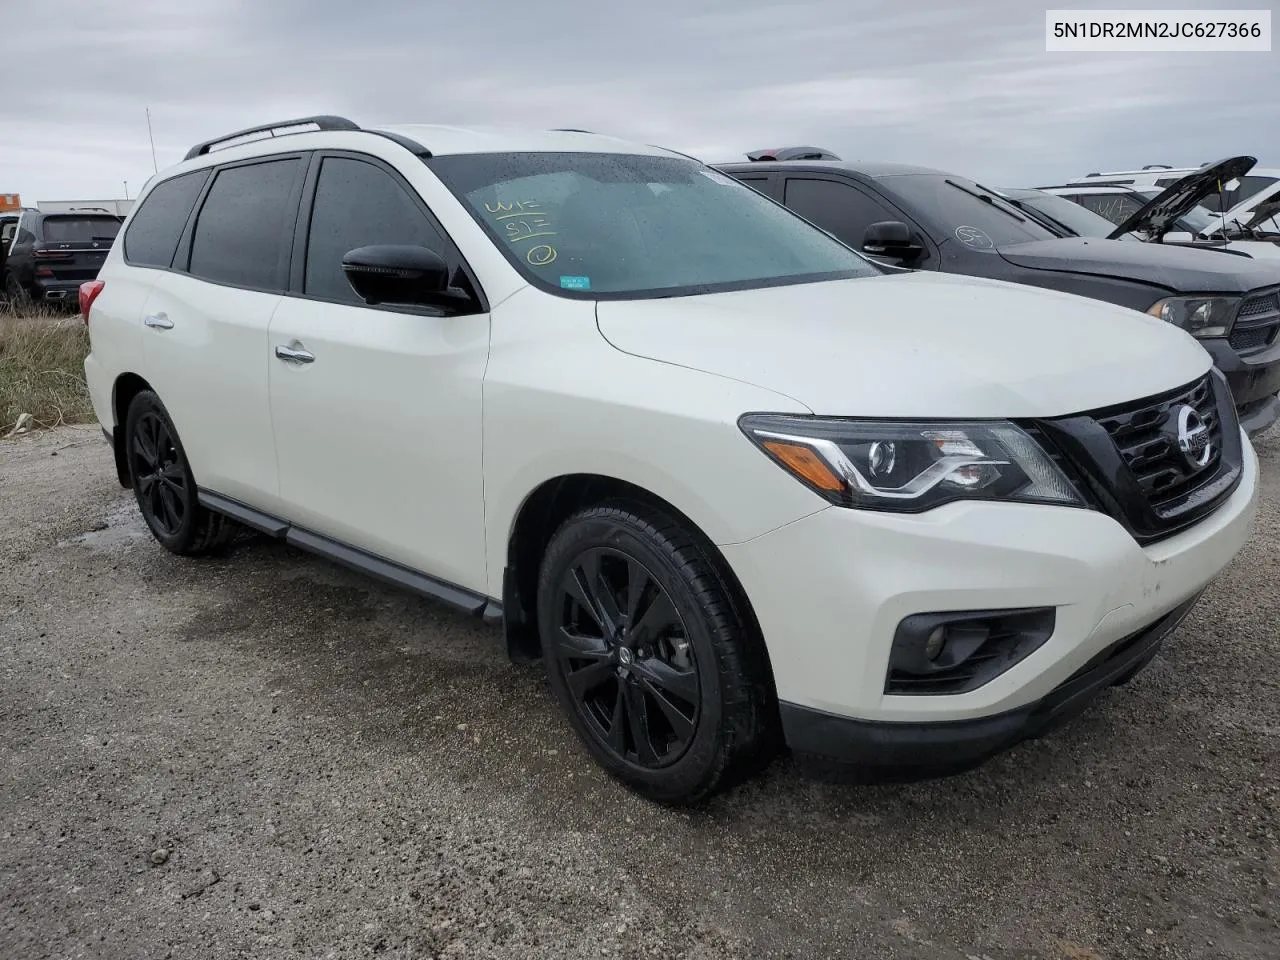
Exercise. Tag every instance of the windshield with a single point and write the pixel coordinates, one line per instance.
(957, 210)
(600, 225)
(80, 229)
(1075, 218)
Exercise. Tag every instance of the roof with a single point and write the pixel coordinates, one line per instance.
(868, 168)
(425, 140)
(442, 140)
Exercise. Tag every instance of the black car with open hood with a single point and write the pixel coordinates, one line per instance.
(923, 219)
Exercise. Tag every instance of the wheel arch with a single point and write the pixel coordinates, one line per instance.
(126, 387)
(536, 521)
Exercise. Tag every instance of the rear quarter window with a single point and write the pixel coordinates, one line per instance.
(154, 231)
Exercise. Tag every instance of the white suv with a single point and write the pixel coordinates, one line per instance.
(738, 486)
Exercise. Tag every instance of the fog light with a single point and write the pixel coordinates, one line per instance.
(955, 652)
(937, 640)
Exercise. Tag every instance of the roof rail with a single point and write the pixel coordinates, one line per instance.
(571, 130)
(1157, 166)
(269, 129)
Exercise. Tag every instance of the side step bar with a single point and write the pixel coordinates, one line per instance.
(387, 571)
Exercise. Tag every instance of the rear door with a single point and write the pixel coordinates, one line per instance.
(205, 325)
(71, 247)
(378, 430)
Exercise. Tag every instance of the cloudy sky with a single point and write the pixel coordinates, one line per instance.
(962, 84)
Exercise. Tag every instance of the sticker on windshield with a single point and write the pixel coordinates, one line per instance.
(718, 177)
(575, 283)
(973, 237)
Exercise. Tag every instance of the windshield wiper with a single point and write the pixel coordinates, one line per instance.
(989, 199)
(1042, 218)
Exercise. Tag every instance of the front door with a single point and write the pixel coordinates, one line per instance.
(377, 411)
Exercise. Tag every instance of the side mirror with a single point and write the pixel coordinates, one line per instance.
(400, 275)
(891, 238)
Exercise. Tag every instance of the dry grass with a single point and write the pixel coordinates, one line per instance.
(42, 369)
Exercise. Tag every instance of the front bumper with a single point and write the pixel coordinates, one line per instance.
(1254, 380)
(895, 751)
(829, 591)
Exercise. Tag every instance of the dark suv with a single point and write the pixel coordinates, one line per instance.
(918, 218)
(46, 256)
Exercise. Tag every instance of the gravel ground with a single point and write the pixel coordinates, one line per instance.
(265, 756)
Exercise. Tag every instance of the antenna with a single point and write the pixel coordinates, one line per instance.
(152, 138)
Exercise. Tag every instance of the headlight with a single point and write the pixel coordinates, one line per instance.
(910, 466)
(1199, 316)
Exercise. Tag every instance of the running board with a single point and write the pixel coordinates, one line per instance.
(395, 574)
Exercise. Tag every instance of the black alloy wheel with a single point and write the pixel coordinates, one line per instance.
(163, 483)
(626, 657)
(653, 654)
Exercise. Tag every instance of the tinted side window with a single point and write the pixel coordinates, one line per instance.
(756, 183)
(358, 204)
(152, 237)
(838, 208)
(245, 227)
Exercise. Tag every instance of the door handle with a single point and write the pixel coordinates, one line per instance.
(294, 355)
(159, 321)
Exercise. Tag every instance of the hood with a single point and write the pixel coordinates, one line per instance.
(1166, 209)
(921, 345)
(1174, 268)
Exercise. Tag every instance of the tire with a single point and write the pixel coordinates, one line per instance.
(677, 702)
(163, 483)
(16, 293)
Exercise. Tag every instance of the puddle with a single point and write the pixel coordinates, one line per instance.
(120, 528)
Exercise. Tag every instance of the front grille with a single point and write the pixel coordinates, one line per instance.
(1257, 321)
(1152, 455)
(1127, 461)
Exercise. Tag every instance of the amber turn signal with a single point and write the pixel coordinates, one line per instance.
(805, 464)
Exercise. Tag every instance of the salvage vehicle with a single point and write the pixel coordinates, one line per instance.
(1234, 194)
(1069, 219)
(925, 219)
(738, 487)
(1175, 215)
(51, 254)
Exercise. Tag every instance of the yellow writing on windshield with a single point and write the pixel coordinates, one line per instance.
(519, 221)
(541, 255)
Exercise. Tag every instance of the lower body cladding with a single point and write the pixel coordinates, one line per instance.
(1254, 379)
(919, 645)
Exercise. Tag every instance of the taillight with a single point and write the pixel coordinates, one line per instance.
(51, 255)
(89, 291)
